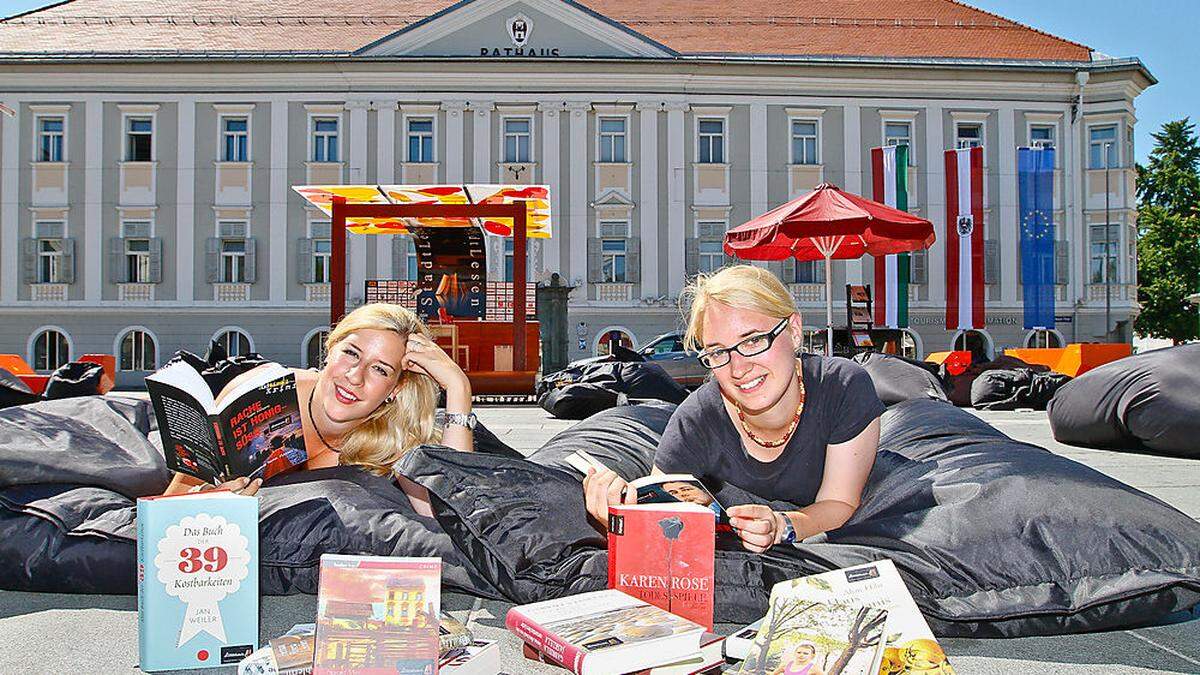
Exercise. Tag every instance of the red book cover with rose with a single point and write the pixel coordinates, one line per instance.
(663, 554)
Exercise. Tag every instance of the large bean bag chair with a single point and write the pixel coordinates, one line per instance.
(899, 379)
(73, 379)
(1012, 388)
(14, 391)
(1148, 402)
(590, 388)
(958, 387)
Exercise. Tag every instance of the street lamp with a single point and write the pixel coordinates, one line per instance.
(1107, 243)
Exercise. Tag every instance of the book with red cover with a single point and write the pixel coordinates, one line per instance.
(709, 659)
(663, 554)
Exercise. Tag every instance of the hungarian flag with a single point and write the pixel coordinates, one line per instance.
(889, 170)
(964, 238)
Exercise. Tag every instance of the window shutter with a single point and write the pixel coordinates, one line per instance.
(68, 266)
(29, 260)
(212, 260)
(400, 247)
(633, 261)
(918, 270)
(251, 261)
(788, 271)
(691, 256)
(1062, 263)
(156, 260)
(593, 271)
(991, 261)
(304, 261)
(117, 270)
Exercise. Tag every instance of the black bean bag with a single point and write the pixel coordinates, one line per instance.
(74, 379)
(623, 439)
(1148, 402)
(899, 379)
(1012, 388)
(580, 400)
(958, 387)
(582, 391)
(14, 391)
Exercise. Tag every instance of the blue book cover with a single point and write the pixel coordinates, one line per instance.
(197, 580)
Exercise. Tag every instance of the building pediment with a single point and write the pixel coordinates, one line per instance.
(515, 30)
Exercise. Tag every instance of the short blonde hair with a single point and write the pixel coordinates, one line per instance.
(740, 286)
(392, 429)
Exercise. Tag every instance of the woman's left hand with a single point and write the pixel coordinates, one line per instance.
(422, 355)
(756, 525)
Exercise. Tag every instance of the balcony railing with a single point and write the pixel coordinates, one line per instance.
(614, 292)
(234, 292)
(135, 292)
(48, 292)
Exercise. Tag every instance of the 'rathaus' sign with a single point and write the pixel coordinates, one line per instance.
(520, 27)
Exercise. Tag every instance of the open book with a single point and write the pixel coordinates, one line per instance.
(255, 431)
(661, 488)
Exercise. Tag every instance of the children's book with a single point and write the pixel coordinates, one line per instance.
(816, 638)
(255, 431)
(663, 554)
(604, 632)
(480, 657)
(197, 579)
(377, 615)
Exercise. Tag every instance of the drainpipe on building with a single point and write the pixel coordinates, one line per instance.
(1078, 202)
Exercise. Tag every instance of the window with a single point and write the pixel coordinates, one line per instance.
(50, 139)
(420, 139)
(1102, 246)
(137, 261)
(1041, 135)
(325, 139)
(612, 139)
(139, 139)
(322, 251)
(508, 261)
(235, 132)
(968, 135)
(898, 133)
(804, 142)
(50, 350)
(138, 352)
(233, 261)
(235, 342)
(516, 139)
(314, 349)
(50, 261)
(712, 141)
(1101, 139)
(808, 272)
(612, 261)
(712, 256)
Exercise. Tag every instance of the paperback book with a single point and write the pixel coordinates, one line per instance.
(197, 579)
(288, 654)
(663, 554)
(253, 431)
(604, 632)
(377, 615)
(480, 657)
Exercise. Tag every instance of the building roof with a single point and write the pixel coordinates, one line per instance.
(940, 29)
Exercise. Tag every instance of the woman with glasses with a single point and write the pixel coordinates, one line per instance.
(768, 426)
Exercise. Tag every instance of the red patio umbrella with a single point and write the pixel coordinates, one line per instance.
(828, 223)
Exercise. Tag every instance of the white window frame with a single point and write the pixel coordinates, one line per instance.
(702, 255)
(125, 237)
(432, 118)
(960, 124)
(1113, 162)
(601, 135)
(816, 121)
(51, 273)
(126, 119)
(724, 120)
(909, 119)
(121, 335)
(322, 261)
(886, 139)
(223, 135)
(231, 271)
(29, 345)
(1039, 143)
(225, 329)
(142, 264)
(504, 119)
(304, 346)
(1114, 252)
(623, 254)
(38, 134)
(624, 221)
(313, 118)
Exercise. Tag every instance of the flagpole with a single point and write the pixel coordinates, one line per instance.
(828, 306)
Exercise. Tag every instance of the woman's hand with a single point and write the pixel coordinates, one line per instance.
(238, 486)
(756, 525)
(602, 489)
(423, 355)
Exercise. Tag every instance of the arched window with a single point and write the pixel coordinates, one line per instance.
(910, 344)
(314, 349)
(978, 342)
(50, 350)
(1044, 339)
(611, 337)
(235, 342)
(138, 351)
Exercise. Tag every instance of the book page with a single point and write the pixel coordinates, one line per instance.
(189, 440)
(182, 376)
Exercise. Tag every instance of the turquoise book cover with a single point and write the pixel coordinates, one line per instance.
(197, 580)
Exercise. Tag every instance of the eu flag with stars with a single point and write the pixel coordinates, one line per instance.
(1035, 177)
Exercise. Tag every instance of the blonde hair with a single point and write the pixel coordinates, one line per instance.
(392, 429)
(741, 286)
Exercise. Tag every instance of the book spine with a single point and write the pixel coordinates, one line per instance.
(220, 436)
(537, 637)
(142, 551)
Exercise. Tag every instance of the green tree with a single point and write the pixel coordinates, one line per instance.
(1168, 189)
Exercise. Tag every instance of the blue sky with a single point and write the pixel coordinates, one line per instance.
(1160, 32)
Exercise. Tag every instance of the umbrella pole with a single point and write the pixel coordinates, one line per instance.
(828, 308)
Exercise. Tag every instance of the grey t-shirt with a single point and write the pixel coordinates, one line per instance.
(701, 439)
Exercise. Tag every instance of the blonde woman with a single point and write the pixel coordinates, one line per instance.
(802, 430)
(374, 399)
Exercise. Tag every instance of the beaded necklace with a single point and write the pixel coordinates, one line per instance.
(787, 435)
(314, 421)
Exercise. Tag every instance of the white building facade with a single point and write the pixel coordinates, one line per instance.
(145, 201)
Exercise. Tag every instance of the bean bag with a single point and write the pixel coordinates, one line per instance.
(1148, 402)
(958, 387)
(76, 378)
(582, 391)
(623, 439)
(1012, 388)
(14, 391)
(580, 401)
(899, 379)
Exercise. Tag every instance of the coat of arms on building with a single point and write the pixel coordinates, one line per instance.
(519, 28)
(966, 225)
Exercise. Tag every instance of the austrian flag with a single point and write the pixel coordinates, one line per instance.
(964, 238)
(889, 170)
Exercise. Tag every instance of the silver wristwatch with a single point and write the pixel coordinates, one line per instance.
(467, 420)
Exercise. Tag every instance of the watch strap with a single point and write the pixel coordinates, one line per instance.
(467, 420)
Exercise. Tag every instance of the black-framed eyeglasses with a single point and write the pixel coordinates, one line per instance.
(751, 346)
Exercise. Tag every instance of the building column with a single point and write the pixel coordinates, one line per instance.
(93, 212)
(279, 201)
(854, 178)
(551, 174)
(385, 174)
(758, 159)
(647, 162)
(455, 110)
(482, 141)
(356, 246)
(580, 208)
(676, 203)
(1009, 231)
(9, 204)
(935, 203)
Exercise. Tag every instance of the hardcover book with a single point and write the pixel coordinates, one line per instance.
(809, 636)
(197, 579)
(704, 662)
(253, 431)
(377, 615)
(480, 657)
(663, 554)
(604, 632)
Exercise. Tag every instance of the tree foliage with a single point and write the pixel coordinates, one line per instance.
(1168, 189)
